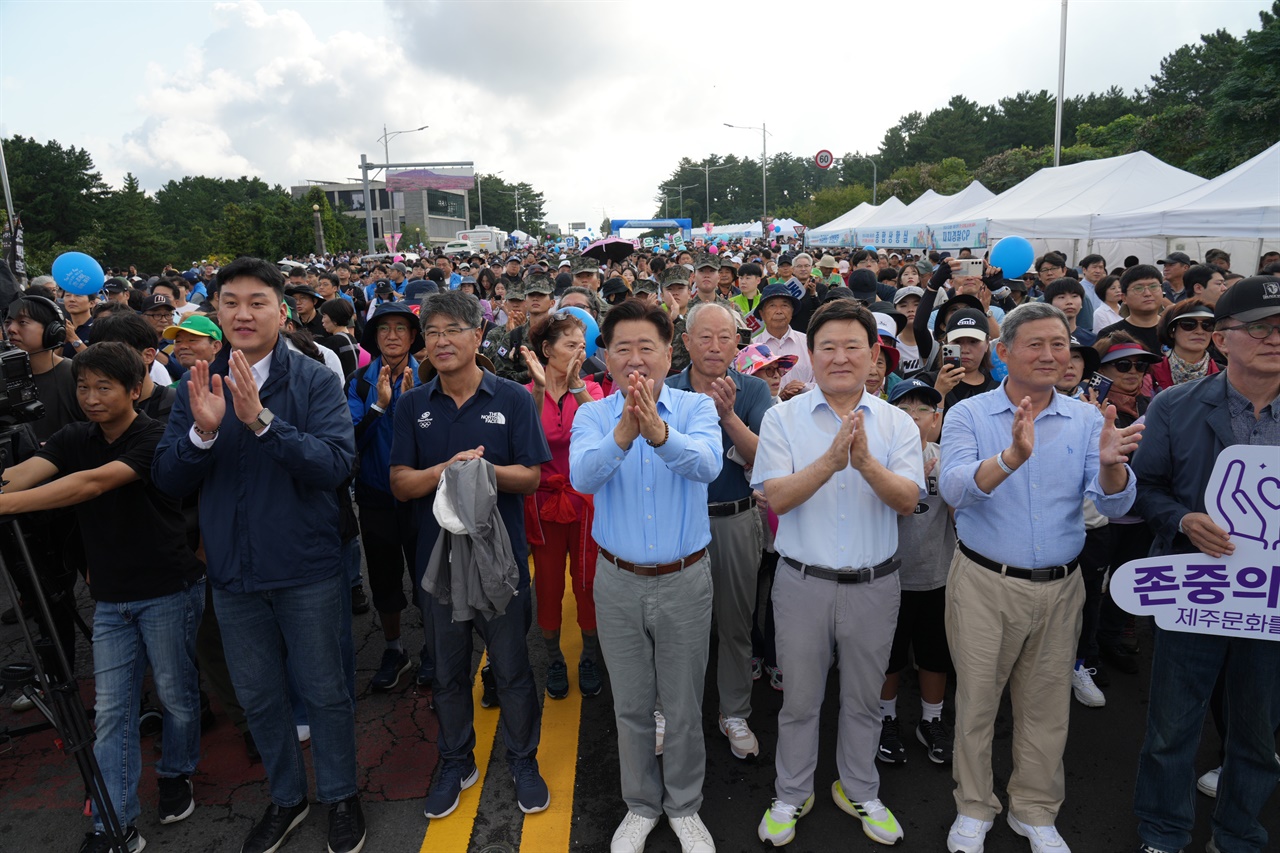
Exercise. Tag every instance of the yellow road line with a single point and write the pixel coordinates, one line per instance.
(454, 832)
(558, 748)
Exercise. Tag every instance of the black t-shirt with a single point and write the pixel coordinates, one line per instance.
(962, 391)
(345, 346)
(134, 536)
(57, 390)
(1149, 339)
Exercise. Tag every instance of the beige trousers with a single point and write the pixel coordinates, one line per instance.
(1005, 630)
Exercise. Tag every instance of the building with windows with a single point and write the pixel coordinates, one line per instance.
(440, 214)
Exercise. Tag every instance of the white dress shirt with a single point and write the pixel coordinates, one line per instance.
(260, 371)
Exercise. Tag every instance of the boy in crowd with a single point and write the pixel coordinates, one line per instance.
(149, 590)
(926, 542)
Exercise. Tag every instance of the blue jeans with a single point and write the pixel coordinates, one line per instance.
(1183, 672)
(351, 553)
(297, 631)
(126, 637)
(450, 646)
(299, 708)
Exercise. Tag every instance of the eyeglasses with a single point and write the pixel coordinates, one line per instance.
(453, 333)
(919, 410)
(1144, 288)
(1190, 325)
(1257, 331)
(1125, 365)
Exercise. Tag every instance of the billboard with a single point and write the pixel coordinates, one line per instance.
(435, 178)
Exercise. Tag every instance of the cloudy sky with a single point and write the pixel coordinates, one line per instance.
(591, 102)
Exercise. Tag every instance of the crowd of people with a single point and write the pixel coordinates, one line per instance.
(851, 459)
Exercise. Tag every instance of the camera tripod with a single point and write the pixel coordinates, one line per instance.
(61, 704)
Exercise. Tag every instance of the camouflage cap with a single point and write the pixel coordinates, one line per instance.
(675, 274)
(583, 264)
(645, 285)
(706, 259)
(538, 283)
(515, 289)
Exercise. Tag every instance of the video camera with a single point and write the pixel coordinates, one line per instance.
(19, 397)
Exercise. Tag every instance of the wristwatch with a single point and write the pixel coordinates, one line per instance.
(261, 422)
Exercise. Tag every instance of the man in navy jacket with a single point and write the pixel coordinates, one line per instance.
(265, 436)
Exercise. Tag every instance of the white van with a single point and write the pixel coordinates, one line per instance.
(484, 239)
(459, 247)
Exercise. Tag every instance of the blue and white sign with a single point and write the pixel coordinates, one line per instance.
(960, 235)
(1237, 595)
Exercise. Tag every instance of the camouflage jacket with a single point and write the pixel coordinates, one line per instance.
(502, 347)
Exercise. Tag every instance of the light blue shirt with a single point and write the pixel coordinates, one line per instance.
(844, 525)
(1035, 518)
(651, 503)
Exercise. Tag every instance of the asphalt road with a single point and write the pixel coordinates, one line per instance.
(41, 793)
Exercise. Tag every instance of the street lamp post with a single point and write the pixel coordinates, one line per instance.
(387, 137)
(707, 170)
(681, 191)
(319, 227)
(516, 193)
(480, 193)
(873, 175)
(764, 160)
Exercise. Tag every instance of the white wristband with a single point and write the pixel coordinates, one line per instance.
(1000, 461)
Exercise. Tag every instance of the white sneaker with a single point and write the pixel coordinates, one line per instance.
(1208, 783)
(660, 731)
(304, 734)
(1044, 839)
(778, 826)
(742, 741)
(968, 835)
(1083, 688)
(693, 834)
(630, 835)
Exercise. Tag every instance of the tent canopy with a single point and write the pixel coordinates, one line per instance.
(1061, 202)
(1244, 202)
(970, 196)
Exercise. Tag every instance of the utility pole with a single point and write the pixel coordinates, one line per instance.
(874, 181)
(681, 190)
(1062, 77)
(516, 193)
(764, 161)
(707, 170)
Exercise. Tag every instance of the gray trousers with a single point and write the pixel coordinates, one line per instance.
(736, 541)
(654, 634)
(814, 617)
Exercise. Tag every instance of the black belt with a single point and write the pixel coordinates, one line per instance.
(720, 510)
(1048, 573)
(849, 575)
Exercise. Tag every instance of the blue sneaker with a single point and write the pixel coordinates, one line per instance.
(589, 678)
(557, 679)
(426, 669)
(394, 664)
(454, 778)
(531, 790)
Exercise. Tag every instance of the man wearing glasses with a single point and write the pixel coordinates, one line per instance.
(1141, 286)
(1187, 427)
(467, 413)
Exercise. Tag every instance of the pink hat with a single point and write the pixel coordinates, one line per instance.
(758, 356)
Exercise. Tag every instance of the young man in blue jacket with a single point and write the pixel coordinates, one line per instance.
(264, 434)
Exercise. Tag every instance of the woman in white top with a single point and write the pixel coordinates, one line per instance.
(1108, 313)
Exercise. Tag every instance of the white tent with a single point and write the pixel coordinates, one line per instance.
(849, 217)
(917, 211)
(970, 196)
(842, 231)
(1062, 202)
(1244, 202)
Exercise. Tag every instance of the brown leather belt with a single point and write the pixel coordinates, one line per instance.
(653, 571)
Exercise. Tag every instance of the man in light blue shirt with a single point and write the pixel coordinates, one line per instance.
(838, 466)
(1015, 462)
(647, 453)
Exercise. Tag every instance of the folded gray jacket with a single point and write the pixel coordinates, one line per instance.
(475, 571)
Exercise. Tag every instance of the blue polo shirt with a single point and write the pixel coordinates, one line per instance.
(429, 429)
(749, 404)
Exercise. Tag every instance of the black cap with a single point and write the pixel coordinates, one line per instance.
(1176, 258)
(1249, 299)
(863, 284)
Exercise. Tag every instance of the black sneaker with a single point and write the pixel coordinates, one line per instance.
(346, 826)
(176, 802)
(395, 663)
(933, 734)
(589, 678)
(1121, 659)
(100, 842)
(531, 790)
(891, 750)
(557, 679)
(489, 696)
(274, 828)
(359, 600)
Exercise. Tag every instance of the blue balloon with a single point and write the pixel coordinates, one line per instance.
(76, 272)
(1013, 255)
(593, 330)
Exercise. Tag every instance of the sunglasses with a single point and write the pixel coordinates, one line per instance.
(1125, 365)
(1191, 324)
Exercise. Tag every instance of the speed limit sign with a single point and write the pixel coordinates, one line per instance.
(824, 159)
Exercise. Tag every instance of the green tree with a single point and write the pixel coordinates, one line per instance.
(131, 231)
(192, 207)
(500, 204)
(1191, 73)
(827, 204)
(909, 182)
(56, 190)
(1245, 107)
